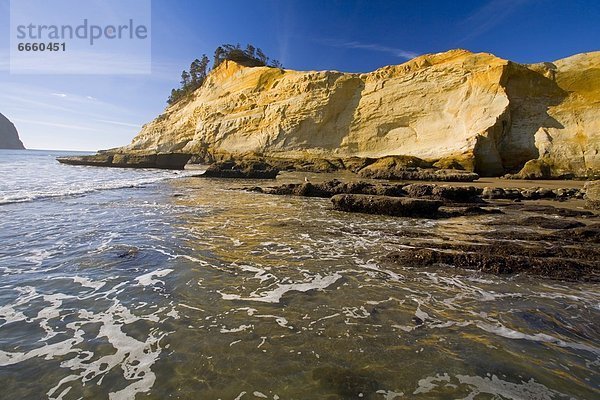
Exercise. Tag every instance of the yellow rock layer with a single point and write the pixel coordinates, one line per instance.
(486, 113)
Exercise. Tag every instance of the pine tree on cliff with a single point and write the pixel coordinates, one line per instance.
(198, 72)
(251, 57)
(218, 57)
(185, 79)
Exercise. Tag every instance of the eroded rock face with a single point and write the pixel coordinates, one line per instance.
(9, 138)
(455, 109)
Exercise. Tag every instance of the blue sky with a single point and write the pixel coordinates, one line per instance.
(91, 112)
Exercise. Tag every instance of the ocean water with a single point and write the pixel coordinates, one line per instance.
(146, 284)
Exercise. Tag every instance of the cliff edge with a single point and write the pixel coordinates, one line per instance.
(9, 137)
(468, 110)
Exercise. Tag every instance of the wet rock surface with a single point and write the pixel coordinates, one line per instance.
(544, 222)
(419, 174)
(538, 193)
(465, 194)
(500, 260)
(241, 170)
(529, 237)
(121, 160)
(333, 187)
(537, 245)
(386, 205)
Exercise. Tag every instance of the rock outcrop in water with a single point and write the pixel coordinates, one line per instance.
(9, 137)
(241, 170)
(130, 160)
(462, 110)
(386, 205)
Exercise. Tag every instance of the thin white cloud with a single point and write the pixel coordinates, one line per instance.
(397, 52)
(73, 121)
(55, 124)
(127, 124)
(59, 94)
(489, 15)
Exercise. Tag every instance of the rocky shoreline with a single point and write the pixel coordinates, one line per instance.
(518, 236)
(564, 246)
(176, 161)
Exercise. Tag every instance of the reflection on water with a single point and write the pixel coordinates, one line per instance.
(216, 293)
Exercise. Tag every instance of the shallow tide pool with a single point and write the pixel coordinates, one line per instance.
(186, 289)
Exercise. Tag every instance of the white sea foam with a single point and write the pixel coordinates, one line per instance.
(429, 383)
(390, 395)
(274, 296)
(148, 278)
(240, 328)
(134, 357)
(499, 388)
(85, 182)
(508, 333)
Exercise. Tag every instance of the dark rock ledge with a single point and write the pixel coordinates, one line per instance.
(527, 238)
(119, 160)
(241, 170)
(386, 205)
(499, 260)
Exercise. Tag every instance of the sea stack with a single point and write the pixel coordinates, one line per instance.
(9, 137)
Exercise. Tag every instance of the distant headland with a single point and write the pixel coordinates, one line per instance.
(9, 137)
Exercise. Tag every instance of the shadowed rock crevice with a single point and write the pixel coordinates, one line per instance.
(533, 92)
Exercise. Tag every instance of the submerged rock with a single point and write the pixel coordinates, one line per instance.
(589, 233)
(386, 205)
(449, 212)
(550, 223)
(346, 383)
(241, 170)
(501, 260)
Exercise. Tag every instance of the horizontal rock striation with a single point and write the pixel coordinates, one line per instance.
(453, 110)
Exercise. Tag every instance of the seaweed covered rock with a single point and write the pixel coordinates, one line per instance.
(466, 194)
(384, 171)
(133, 160)
(386, 205)
(241, 170)
(333, 187)
(501, 260)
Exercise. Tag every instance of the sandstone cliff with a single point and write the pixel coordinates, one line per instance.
(9, 138)
(456, 108)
